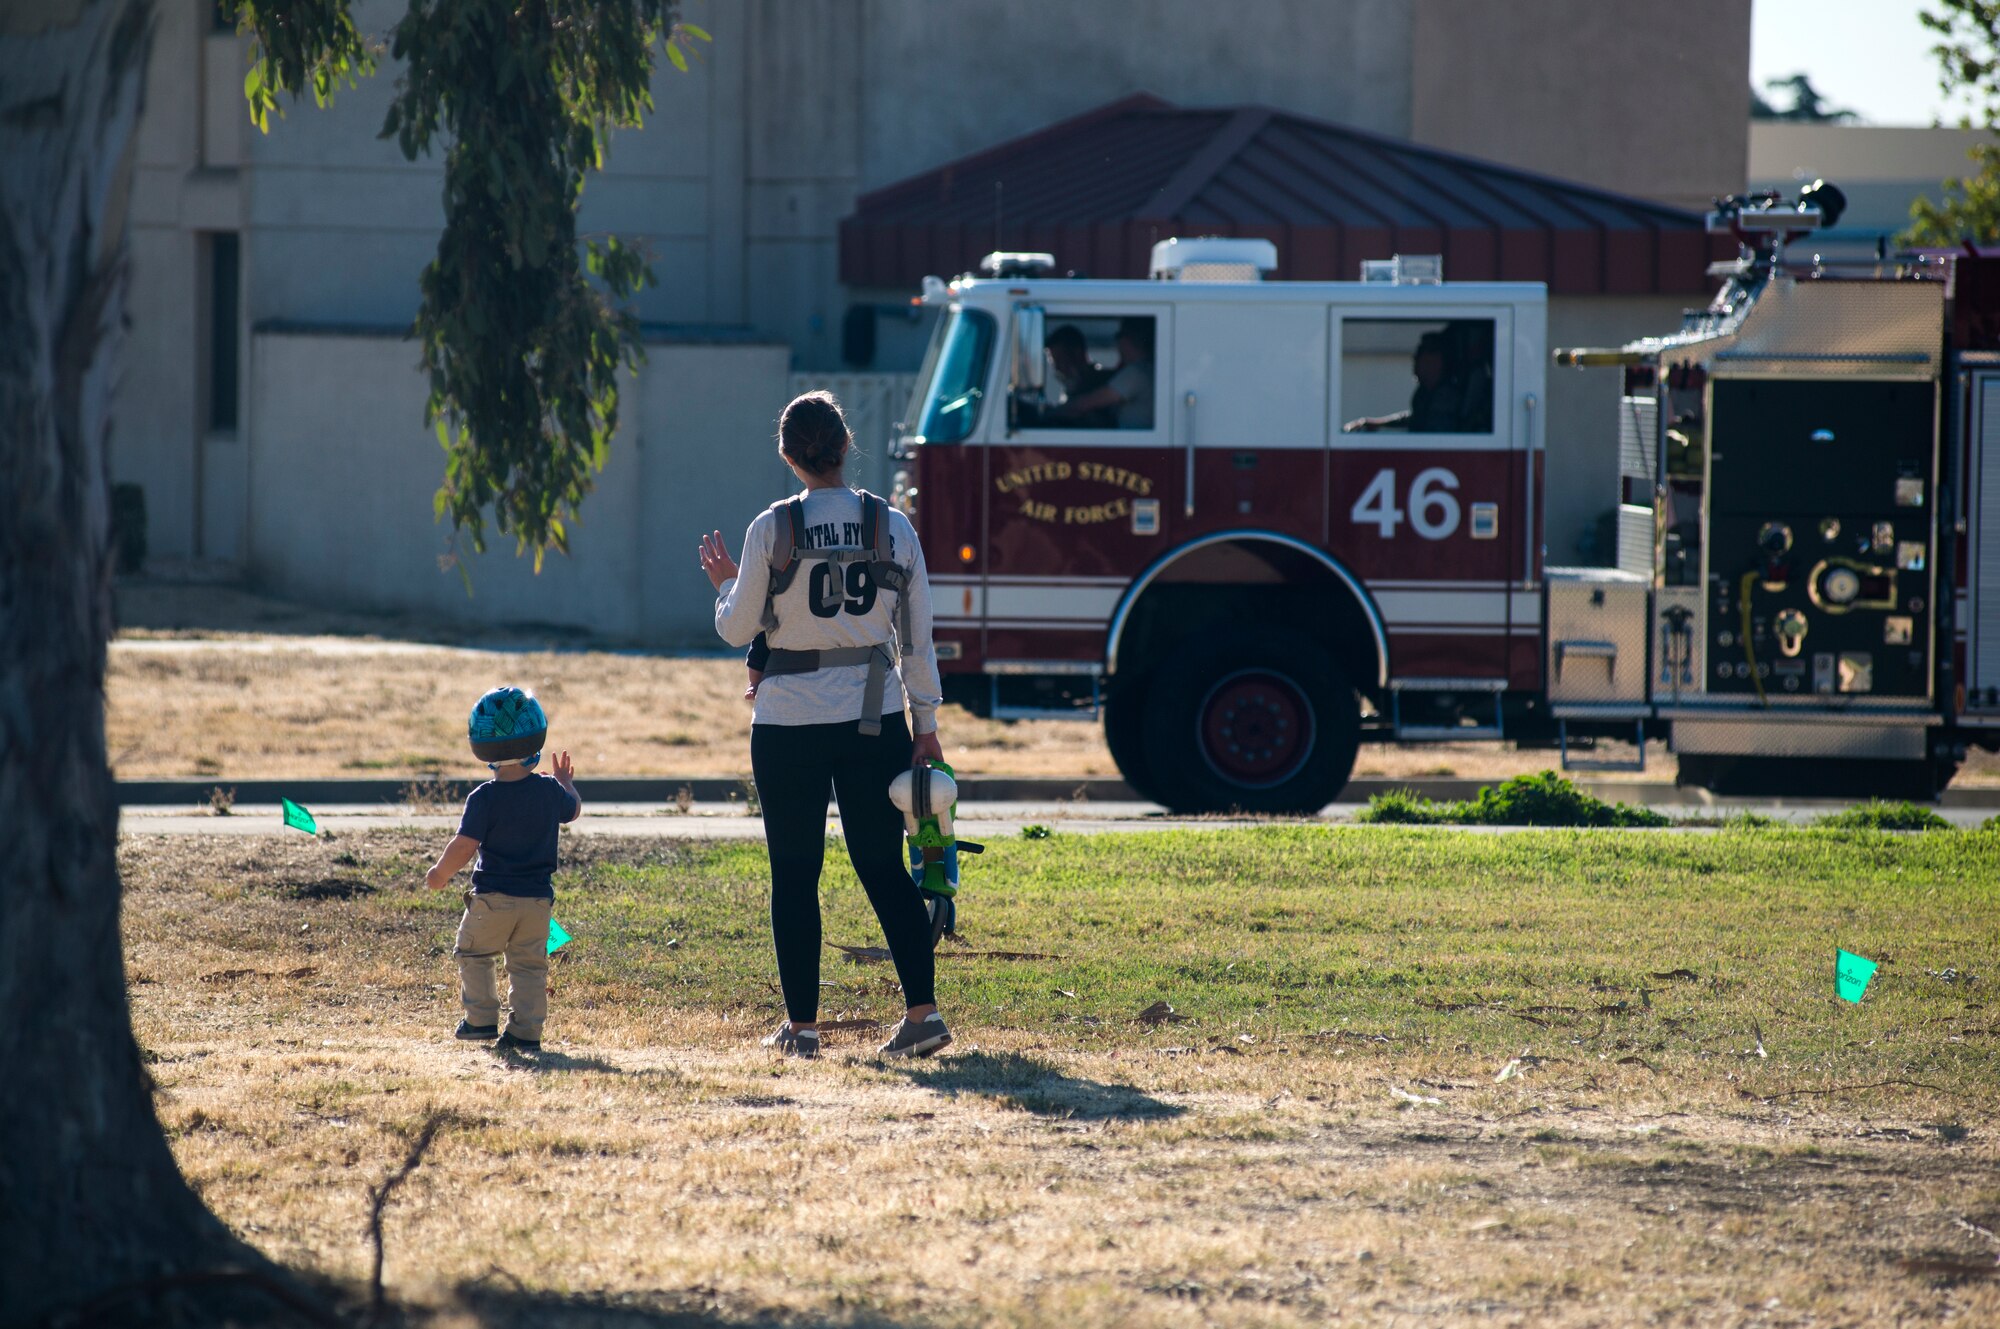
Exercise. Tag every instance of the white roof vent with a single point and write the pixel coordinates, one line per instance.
(1405, 270)
(1013, 263)
(1213, 258)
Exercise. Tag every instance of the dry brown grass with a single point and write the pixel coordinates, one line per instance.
(654, 1163)
(329, 708)
(211, 681)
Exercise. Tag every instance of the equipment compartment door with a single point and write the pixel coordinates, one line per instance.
(1981, 618)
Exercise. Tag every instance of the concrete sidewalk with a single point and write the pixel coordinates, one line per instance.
(723, 821)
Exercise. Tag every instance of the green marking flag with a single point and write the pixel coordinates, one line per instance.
(557, 937)
(1851, 974)
(299, 817)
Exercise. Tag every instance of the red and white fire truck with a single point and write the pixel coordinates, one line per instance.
(1250, 521)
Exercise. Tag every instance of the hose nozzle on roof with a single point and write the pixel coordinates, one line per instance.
(1594, 357)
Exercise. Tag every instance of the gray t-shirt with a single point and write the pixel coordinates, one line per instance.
(1134, 385)
(867, 615)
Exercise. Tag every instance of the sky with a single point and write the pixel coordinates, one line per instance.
(1870, 56)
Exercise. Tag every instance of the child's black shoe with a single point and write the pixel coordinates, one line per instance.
(470, 1031)
(515, 1043)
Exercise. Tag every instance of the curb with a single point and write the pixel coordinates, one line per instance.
(613, 789)
(972, 789)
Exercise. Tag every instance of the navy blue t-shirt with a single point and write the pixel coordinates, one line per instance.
(515, 823)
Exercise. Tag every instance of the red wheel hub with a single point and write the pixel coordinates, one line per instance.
(1255, 728)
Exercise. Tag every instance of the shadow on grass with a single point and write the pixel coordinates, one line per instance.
(1036, 1086)
(492, 1303)
(549, 1060)
(327, 888)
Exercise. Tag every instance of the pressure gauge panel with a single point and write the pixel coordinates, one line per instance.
(1819, 538)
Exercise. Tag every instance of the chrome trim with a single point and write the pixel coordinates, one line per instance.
(1450, 685)
(1529, 405)
(1079, 668)
(1187, 501)
(1331, 564)
(1780, 717)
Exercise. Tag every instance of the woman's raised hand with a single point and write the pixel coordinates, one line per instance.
(715, 559)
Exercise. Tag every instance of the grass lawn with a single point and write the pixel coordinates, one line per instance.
(1536, 1078)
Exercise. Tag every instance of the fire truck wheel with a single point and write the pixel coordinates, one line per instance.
(1263, 722)
(1125, 734)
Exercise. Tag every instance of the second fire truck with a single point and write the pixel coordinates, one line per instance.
(1249, 521)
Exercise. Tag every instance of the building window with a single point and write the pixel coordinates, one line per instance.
(224, 316)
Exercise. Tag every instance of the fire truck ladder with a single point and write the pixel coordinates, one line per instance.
(1570, 763)
(1437, 733)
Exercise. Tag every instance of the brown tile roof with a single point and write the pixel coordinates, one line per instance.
(1099, 189)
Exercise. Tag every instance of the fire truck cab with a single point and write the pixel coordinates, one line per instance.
(1235, 516)
(1247, 522)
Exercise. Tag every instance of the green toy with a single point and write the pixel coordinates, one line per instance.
(927, 796)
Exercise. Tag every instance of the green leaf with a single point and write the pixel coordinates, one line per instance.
(674, 54)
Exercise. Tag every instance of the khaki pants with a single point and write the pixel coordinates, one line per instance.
(517, 927)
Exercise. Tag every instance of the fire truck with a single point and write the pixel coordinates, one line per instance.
(1249, 522)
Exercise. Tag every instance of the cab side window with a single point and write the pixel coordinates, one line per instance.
(1100, 374)
(1418, 376)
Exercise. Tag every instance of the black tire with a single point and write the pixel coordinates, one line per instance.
(1814, 777)
(1261, 722)
(1125, 733)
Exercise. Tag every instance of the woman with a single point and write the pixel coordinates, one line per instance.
(835, 600)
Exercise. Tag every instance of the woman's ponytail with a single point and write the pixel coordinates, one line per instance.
(813, 433)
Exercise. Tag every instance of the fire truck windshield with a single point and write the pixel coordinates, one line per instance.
(953, 379)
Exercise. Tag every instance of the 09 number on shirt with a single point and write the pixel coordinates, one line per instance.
(859, 584)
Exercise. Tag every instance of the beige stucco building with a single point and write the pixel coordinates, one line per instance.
(1882, 170)
(271, 411)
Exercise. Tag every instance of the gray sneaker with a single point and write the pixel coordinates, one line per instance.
(916, 1040)
(794, 1042)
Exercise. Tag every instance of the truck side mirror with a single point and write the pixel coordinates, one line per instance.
(1030, 365)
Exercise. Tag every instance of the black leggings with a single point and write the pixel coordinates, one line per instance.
(794, 766)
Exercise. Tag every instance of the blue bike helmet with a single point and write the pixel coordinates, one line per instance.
(506, 725)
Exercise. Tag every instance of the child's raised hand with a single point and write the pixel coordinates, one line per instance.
(565, 771)
(715, 559)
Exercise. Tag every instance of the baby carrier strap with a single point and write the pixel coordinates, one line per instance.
(785, 542)
(882, 565)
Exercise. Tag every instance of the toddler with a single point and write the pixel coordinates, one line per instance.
(510, 824)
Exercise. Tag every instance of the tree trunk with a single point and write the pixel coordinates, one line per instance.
(90, 1198)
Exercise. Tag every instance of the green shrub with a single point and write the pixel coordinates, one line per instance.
(1877, 816)
(1403, 807)
(1542, 799)
(1035, 831)
(1547, 799)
